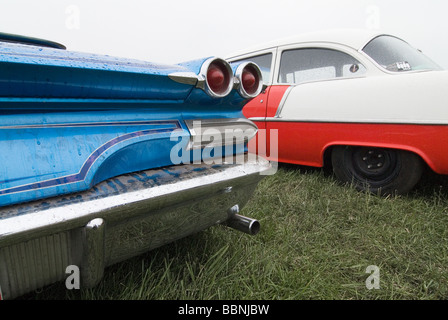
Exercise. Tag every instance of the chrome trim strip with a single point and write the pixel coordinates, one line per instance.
(378, 122)
(108, 102)
(184, 77)
(221, 122)
(89, 124)
(283, 101)
(257, 119)
(222, 126)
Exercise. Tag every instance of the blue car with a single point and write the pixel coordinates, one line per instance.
(104, 158)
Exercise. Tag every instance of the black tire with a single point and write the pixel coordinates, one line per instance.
(380, 171)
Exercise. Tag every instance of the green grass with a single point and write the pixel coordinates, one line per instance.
(316, 241)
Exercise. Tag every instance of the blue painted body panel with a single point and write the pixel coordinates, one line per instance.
(36, 72)
(71, 120)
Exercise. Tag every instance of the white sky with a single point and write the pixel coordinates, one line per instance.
(171, 31)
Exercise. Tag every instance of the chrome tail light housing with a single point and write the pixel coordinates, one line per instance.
(216, 78)
(249, 80)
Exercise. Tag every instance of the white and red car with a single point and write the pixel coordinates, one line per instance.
(369, 104)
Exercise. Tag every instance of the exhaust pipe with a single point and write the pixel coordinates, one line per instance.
(241, 223)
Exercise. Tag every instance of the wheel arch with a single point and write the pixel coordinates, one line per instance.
(327, 149)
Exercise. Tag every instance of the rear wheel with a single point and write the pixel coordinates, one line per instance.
(377, 170)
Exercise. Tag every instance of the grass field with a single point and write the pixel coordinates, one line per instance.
(316, 241)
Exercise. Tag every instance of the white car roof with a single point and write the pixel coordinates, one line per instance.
(354, 38)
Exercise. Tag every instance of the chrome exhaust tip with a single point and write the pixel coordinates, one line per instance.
(242, 223)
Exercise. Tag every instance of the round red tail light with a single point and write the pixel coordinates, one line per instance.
(250, 80)
(217, 78)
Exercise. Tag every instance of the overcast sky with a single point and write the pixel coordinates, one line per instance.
(172, 31)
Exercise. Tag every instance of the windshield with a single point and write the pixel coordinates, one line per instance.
(396, 55)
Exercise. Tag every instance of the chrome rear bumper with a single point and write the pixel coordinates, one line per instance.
(117, 219)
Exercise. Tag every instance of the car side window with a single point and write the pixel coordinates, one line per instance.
(314, 64)
(264, 61)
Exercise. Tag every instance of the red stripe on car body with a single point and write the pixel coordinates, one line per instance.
(305, 143)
